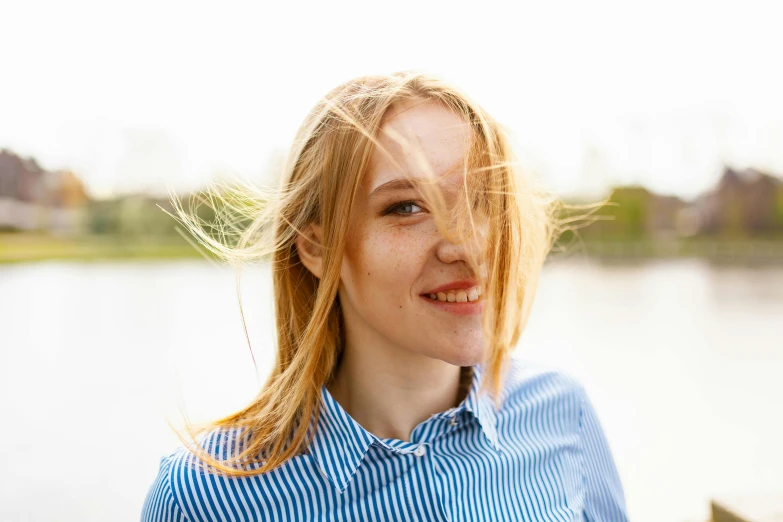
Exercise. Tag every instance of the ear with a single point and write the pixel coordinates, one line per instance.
(308, 246)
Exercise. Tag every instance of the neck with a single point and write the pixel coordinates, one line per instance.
(389, 393)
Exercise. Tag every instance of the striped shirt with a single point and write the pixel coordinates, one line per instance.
(542, 456)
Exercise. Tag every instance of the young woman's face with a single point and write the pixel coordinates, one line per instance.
(396, 260)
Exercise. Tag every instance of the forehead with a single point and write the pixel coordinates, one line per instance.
(418, 139)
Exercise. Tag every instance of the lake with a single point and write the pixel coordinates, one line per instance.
(682, 360)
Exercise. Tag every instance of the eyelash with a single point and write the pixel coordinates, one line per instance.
(391, 209)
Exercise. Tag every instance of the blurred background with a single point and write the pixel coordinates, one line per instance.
(669, 308)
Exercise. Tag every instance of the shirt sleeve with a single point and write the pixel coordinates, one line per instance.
(160, 504)
(604, 497)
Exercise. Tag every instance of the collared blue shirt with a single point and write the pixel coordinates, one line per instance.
(542, 456)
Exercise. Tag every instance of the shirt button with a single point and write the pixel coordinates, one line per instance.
(420, 451)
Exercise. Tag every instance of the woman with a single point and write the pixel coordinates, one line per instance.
(406, 248)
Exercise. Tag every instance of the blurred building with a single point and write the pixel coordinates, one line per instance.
(747, 202)
(32, 198)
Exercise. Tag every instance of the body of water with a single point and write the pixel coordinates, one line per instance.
(683, 362)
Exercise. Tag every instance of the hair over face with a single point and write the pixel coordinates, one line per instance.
(328, 160)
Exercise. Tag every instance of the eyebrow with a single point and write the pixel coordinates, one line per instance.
(395, 184)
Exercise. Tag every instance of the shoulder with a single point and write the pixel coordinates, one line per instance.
(218, 443)
(196, 490)
(204, 494)
(547, 409)
(536, 390)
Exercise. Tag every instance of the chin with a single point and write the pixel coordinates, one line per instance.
(466, 356)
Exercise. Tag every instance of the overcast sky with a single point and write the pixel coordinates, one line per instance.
(143, 94)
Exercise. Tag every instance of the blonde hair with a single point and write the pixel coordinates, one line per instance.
(327, 162)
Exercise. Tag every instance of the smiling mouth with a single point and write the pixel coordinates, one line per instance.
(467, 295)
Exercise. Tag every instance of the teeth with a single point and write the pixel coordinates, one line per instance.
(460, 296)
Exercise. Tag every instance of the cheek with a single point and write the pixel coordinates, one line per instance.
(384, 259)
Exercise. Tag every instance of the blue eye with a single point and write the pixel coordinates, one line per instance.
(404, 208)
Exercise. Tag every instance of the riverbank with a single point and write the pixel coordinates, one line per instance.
(717, 251)
(22, 248)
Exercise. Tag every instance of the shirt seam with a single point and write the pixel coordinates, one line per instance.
(170, 491)
(582, 452)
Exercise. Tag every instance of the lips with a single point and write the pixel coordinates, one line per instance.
(462, 284)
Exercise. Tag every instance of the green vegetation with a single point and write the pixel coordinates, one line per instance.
(23, 247)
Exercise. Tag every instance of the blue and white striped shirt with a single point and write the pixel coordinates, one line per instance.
(542, 456)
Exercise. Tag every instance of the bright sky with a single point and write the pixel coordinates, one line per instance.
(135, 95)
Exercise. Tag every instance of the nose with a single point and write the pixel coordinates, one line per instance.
(448, 251)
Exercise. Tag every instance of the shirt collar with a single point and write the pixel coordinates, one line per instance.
(483, 409)
(340, 443)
